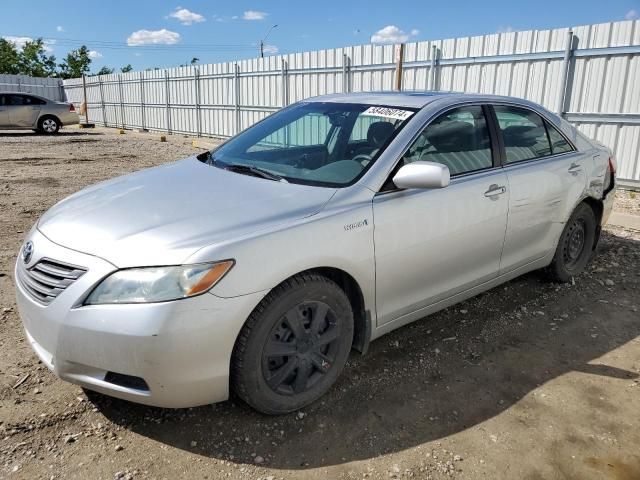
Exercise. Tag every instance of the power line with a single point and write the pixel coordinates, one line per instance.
(112, 45)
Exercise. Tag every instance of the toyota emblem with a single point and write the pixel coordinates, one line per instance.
(27, 252)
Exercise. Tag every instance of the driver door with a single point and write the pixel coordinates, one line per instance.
(433, 244)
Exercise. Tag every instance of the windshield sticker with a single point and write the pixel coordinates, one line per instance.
(395, 113)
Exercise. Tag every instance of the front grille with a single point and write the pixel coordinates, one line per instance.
(48, 278)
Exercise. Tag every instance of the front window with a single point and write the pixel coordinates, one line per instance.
(324, 144)
(458, 139)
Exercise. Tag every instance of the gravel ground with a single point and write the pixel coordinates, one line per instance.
(627, 202)
(530, 380)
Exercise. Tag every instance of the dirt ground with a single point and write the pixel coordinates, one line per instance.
(531, 380)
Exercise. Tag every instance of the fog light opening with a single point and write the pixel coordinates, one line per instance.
(127, 381)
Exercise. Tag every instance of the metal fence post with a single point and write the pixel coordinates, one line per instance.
(434, 61)
(104, 112)
(346, 72)
(166, 95)
(285, 83)
(121, 100)
(236, 78)
(562, 94)
(196, 80)
(397, 84)
(142, 119)
(84, 97)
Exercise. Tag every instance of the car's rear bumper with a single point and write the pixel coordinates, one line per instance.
(69, 118)
(172, 354)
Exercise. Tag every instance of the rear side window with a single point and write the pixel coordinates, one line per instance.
(558, 143)
(523, 132)
(458, 139)
(13, 100)
(10, 99)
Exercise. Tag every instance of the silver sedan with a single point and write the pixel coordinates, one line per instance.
(259, 266)
(28, 111)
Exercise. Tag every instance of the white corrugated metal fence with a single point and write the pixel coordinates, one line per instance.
(589, 73)
(50, 88)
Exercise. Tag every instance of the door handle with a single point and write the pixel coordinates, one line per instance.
(574, 168)
(494, 190)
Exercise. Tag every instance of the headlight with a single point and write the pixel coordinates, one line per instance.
(158, 284)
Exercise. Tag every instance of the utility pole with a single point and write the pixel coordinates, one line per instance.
(264, 39)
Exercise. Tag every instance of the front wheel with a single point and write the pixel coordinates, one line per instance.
(575, 245)
(294, 345)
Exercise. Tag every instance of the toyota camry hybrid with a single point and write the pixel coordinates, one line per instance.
(257, 267)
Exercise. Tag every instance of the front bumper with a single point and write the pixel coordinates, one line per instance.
(181, 349)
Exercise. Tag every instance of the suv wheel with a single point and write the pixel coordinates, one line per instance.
(575, 245)
(293, 346)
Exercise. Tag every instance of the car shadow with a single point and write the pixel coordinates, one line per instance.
(423, 382)
(61, 133)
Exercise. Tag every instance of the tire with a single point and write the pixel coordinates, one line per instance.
(279, 363)
(48, 125)
(575, 245)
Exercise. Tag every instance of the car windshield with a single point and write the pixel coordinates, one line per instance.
(323, 144)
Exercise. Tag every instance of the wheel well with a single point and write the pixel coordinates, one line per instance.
(49, 115)
(598, 208)
(361, 316)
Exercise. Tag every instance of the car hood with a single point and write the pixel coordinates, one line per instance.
(163, 215)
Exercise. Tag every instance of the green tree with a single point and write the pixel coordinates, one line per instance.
(194, 60)
(34, 61)
(76, 63)
(9, 58)
(105, 71)
(127, 68)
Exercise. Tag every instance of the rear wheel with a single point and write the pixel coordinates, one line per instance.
(293, 346)
(48, 125)
(575, 245)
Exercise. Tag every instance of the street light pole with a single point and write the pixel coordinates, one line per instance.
(263, 40)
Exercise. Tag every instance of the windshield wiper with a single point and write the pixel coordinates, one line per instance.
(255, 171)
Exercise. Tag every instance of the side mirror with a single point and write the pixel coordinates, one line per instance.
(422, 175)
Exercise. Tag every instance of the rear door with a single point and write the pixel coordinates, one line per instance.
(546, 179)
(23, 110)
(433, 244)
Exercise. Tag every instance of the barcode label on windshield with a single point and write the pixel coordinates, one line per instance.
(395, 113)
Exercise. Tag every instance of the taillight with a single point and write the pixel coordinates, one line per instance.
(613, 165)
(72, 108)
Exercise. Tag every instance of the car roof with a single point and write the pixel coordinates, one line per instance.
(412, 98)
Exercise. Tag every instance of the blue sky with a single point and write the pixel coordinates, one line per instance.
(120, 32)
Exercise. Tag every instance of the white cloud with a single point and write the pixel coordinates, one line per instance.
(254, 15)
(19, 42)
(235, 17)
(632, 15)
(415, 32)
(270, 49)
(506, 29)
(186, 17)
(153, 37)
(392, 34)
(59, 28)
(94, 54)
